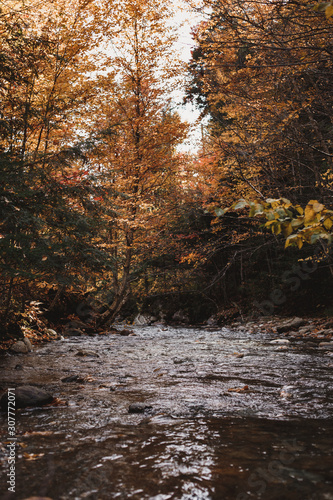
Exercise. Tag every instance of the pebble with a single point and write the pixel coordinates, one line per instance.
(280, 341)
(72, 378)
(84, 352)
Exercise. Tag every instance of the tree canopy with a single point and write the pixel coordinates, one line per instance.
(96, 198)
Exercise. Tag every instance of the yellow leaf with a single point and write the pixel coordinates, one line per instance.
(329, 11)
(287, 229)
(299, 243)
(318, 207)
(309, 215)
(276, 229)
(328, 223)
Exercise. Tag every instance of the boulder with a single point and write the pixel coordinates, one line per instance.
(28, 343)
(144, 320)
(212, 321)
(73, 332)
(19, 347)
(27, 395)
(181, 317)
(291, 324)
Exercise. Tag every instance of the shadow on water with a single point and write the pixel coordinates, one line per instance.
(229, 417)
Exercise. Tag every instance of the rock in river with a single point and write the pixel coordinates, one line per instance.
(21, 346)
(291, 324)
(139, 408)
(27, 395)
(280, 341)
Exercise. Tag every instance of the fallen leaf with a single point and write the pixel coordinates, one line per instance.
(238, 389)
(38, 433)
(32, 456)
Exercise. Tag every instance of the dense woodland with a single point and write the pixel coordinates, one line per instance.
(101, 213)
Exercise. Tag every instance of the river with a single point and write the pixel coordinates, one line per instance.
(224, 415)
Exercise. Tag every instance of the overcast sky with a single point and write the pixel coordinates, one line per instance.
(185, 21)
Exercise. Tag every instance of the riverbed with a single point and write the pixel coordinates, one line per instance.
(173, 413)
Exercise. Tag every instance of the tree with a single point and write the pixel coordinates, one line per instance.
(262, 73)
(264, 70)
(138, 132)
(45, 227)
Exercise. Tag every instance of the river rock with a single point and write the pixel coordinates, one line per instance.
(51, 333)
(86, 352)
(181, 317)
(326, 345)
(280, 341)
(291, 324)
(38, 498)
(286, 391)
(304, 330)
(139, 408)
(73, 332)
(19, 347)
(27, 395)
(212, 321)
(72, 378)
(124, 332)
(28, 343)
(144, 320)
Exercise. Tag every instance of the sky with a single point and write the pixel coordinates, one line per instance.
(190, 113)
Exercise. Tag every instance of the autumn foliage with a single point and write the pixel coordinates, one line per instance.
(98, 204)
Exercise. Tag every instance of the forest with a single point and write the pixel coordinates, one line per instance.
(104, 216)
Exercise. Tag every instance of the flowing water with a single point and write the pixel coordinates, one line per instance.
(228, 416)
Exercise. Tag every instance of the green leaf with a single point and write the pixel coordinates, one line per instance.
(296, 223)
(219, 212)
(240, 204)
(321, 7)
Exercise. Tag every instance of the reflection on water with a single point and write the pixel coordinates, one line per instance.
(221, 426)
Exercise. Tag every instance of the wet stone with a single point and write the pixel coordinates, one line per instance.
(73, 332)
(311, 344)
(27, 395)
(293, 324)
(19, 347)
(28, 343)
(84, 352)
(139, 408)
(326, 345)
(72, 378)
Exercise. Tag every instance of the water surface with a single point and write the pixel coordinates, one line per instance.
(229, 416)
